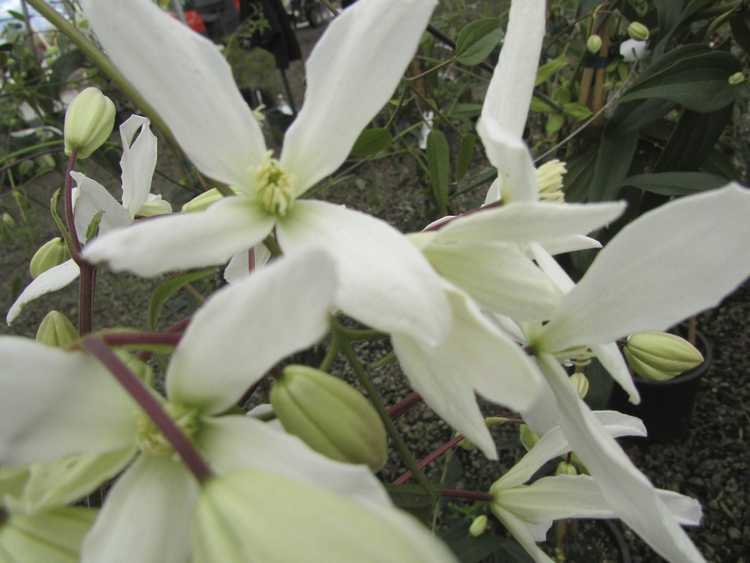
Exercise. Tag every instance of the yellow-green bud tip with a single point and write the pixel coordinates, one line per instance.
(202, 201)
(52, 253)
(581, 383)
(528, 437)
(565, 468)
(56, 330)
(660, 355)
(478, 526)
(594, 44)
(88, 122)
(638, 31)
(736, 79)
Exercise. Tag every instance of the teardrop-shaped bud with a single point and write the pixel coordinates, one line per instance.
(593, 44)
(88, 122)
(330, 416)
(52, 253)
(56, 330)
(478, 526)
(203, 201)
(660, 355)
(565, 468)
(638, 31)
(581, 383)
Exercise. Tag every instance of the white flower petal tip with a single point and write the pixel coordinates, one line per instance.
(182, 241)
(247, 327)
(138, 162)
(633, 50)
(53, 279)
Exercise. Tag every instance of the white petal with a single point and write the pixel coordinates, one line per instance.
(498, 276)
(630, 494)
(294, 521)
(385, 281)
(474, 356)
(493, 193)
(239, 266)
(178, 242)
(138, 162)
(509, 95)
(522, 532)
(146, 516)
(511, 157)
(666, 265)
(687, 510)
(349, 80)
(572, 243)
(532, 221)
(553, 443)
(633, 50)
(187, 81)
(92, 198)
(46, 282)
(55, 403)
(611, 359)
(550, 266)
(231, 443)
(244, 329)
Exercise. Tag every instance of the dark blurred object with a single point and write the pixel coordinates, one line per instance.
(266, 24)
(213, 18)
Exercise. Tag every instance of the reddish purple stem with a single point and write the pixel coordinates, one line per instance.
(430, 457)
(146, 338)
(404, 404)
(468, 495)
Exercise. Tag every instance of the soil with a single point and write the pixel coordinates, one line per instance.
(710, 465)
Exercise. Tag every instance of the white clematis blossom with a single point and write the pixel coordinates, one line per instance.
(528, 511)
(386, 283)
(55, 403)
(137, 163)
(653, 274)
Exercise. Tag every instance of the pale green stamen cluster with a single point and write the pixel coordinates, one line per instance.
(274, 187)
(151, 440)
(549, 177)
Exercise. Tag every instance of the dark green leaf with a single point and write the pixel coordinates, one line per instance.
(720, 164)
(465, 111)
(692, 140)
(554, 122)
(371, 141)
(169, 288)
(476, 41)
(578, 178)
(93, 229)
(577, 111)
(741, 30)
(634, 116)
(668, 12)
(438, 161)
(414, 499)
(694, 76)
(465, 155)
(487, 547)
(675, 183)
(17, 15)
(613, 161)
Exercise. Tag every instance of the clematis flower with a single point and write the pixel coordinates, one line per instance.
(528, 511)
(650, 276)
(55, 403)
(137, 163)
(351, 74)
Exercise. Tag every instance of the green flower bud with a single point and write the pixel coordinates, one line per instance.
(330, 416)
(8, 220)
(202, 201)
(581, 383)
(593, 44)
(660, 355)
(56, 330)
(154, 206)
(736, 79)
(565, 468)
(52, 253)
(528, 437)
(26, 167)
(88, 122)
(478, 526)
(638, 31)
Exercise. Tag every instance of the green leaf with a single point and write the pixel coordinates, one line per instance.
(694, 76)
(465, 155)
(675, 183)
(741, 30)
(465, 111)
(554, 122)
(438, 162)
(413, 499)
(540, 106)
(486, 548)
(371, 141)
(613, 160)
(476, 41)
(547, 70)
(668, 13)
(692, 140)
(169, 288)
(93, 229)
(577, 111)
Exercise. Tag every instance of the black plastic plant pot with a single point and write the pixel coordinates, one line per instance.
(666, 406)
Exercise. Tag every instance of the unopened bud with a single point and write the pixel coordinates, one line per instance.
(565, 468)
(528, 437)
(478, 526)
(594, 44)
(8, 220)
(330, 416)
(202, 201)
(56, 330)
(26, 167)
(660, 355)
(154, 206)
(581, 383)
(638, 31)
(549, 178)
(52, 253)
(88, 122)
(736, 79)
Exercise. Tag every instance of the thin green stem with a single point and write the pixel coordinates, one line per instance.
(410, 462)
(331, 353)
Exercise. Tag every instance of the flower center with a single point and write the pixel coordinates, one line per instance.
(549, 177)
(152, 441)
(274, 186)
